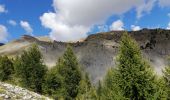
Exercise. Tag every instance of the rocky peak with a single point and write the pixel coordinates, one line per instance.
(29, 38)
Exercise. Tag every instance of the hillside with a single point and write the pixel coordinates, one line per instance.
(98, 52)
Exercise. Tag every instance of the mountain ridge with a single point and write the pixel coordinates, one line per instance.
(97, 53)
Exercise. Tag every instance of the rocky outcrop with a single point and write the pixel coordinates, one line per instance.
(11, 92)
(97, 53)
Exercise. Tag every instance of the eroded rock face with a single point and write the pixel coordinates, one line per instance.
(11, 92)
(97, 53)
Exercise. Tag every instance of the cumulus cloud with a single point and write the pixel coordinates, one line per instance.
(168, 27)
(26, 26)
(117, 25)
(73, 19)
(12, 22)
(145, 8)
(135, 28)
(164, 3)
(2, 9)
(3, 33)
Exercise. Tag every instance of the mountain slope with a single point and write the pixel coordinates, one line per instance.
(98, 52)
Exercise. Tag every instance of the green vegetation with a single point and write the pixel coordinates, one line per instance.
(6, 68)
(30, 70)
(167, 78)
(136, 78)
(53, 85)
(131, 79)
(68, 68)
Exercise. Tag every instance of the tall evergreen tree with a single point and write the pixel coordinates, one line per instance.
(53, 85)
(136, 78)
(69, 69)
(6, 68)
(30, 69)
(84, 86)
(167, 77)
(110, 88)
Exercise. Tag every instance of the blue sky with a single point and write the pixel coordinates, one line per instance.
(70, 20)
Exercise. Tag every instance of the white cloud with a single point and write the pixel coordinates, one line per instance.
(3, 33)
(168, 27)
(117, 25)
(26, 26)
(145, 8)
(12, 22)
(69, 15)
(164, 3)
(135, 28)
(2, 9)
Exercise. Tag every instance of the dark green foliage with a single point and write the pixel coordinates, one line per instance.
(68, 68)
(111, 89)
(99, 90)
(87, 80)
(84, 86)
(136, 78)
(88, 95)
(133, 77)
(30, 69)
(6, 68)
(53, 85)
(167, 77)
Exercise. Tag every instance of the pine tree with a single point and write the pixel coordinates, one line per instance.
(30, 69)
(53, 85)
(6, 68)
(136, 78)
(110, 88)
(84, 86)
(167, 77)
(69, 69)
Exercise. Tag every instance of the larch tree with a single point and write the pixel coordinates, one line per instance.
(69, 69)
(135, 76)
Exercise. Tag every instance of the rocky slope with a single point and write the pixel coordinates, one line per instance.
(98, 52)
(11, 92)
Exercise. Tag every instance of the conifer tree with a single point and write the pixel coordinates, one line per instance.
(110, 88)
(30, 69)
(6, 68)
(136, 78)
(69, 69)
(53, 85)
(84, 86)
(167, 77)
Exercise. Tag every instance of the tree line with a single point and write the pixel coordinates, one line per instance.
(131, 79)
